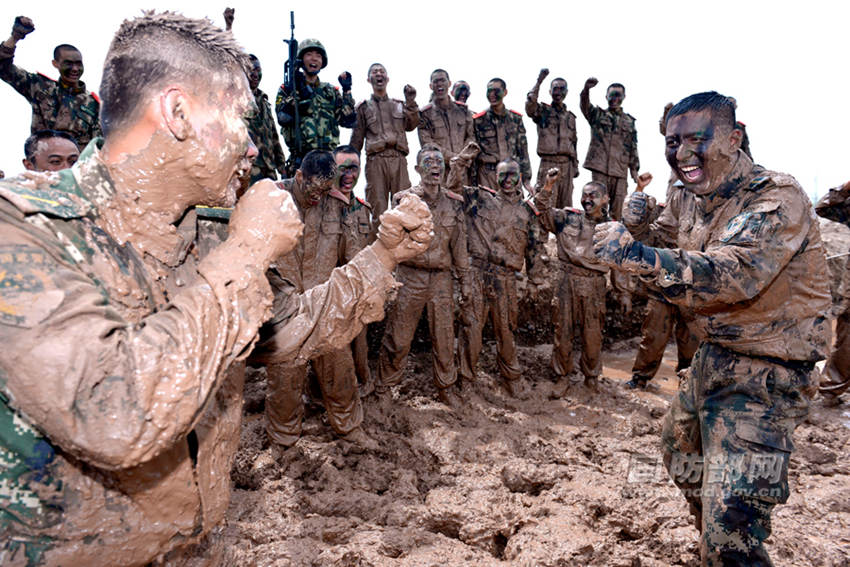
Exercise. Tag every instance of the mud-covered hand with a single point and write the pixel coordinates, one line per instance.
(552, 177)
(614, 246)
(544, 72)
(345, 81)
(409, 93)
(265, 223)
(22, 27)
(643, 180)
(229, 13)
(469, 152)
(405, 231)
(590, 83)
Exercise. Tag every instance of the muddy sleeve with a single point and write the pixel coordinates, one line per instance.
(358, 135)
(27, 84)
(460, 253)
(425, 130)
(107, 390)
(754, 247)
(345, 113)
(532, 108)
(284, 107)
(552, 220)
(522, 151)
(634, 160)
(835, 206)
(590, 111)
(411, 115)
(328, 316)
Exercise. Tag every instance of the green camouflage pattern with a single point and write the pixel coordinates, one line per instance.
(55, 106)
(321, 111)
(263, 130)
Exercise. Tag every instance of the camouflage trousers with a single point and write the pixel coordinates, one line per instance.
(493, 292)
(285, 406)
(386, 175)
(617, 187)
(579, 308)
(661, 318)
(421, 289)
(562, 193)
(726, 441)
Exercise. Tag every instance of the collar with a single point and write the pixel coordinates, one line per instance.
(514, 197)
(377, 98)
(80, 88)
(740, 176)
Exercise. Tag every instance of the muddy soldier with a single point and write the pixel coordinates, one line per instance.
(382, 125)
(321, 107)
(427, 282)
(444, 122)
(500, 134)
(661, 317)
(612, 153)
(270, 159)
(751, 265)
(835, 379)
(121, 389)
(56, 105)
(580, 298)
(460, 92)
(50, 150)
(502, 232)
(309, 264)
(556, 138)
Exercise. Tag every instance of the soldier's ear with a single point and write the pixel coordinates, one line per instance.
(736, 137)
(174, 107)
(28, 165)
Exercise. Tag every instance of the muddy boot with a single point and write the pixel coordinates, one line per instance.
(564, 384)
(637, 382)
(367, 387)
(449, 396)
(591, 382)
(359, 441)
(516, 388)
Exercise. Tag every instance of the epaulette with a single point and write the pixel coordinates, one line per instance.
(363, 202)
(359, 104)
(428, 106)
(530, 204)
(459, 103)
(518, 113)
(574, 210)
(39, 192)
(453, 195)
(630, 116)
(740, 124)
(491, 191)
(46, 77)
(338, 195)
(759, 182)
(480, 114)
(213, 212)
(94, 96)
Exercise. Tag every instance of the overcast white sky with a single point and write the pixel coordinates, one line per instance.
(785, 62)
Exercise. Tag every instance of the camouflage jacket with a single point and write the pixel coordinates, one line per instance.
(450, 129)
(321, 111)
(55, 106)
(264, 134)
(383, 123)
(357, 228)
(835, 206)
(556, 128)
(502, 137)
(613, 142)
(573, 230)
(504, 231)
(751, 265)
(120, 373)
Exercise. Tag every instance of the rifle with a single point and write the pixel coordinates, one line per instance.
(290, 73)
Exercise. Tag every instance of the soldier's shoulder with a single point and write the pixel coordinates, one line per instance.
(95, 97)
(461, 104)
(479, 115)
(363, 203)
(516, 114)
(777, 186)
(427, 107)
(45, 79)
(452, 195)
(531, 206)
(485, 189)
(633, 119)
(361, 104)
(56, 194)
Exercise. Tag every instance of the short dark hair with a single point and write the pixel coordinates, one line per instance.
(429, 147)
(346, 149)
(318, 163)
(504, 84)
(615, 85)
(558, 79)
(58, 50)
(599, 185)
(372, 66)
(435, 71)
(722, 109)
(31, 145)
(155, 48)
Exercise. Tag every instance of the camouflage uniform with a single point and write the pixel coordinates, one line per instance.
(612, 153)
(750, 265)
(502, 231)
(500, 137)
(450, 128)
(315, 256)
(263, 133)
(835, 378)
(55, 106)
(382, 123)
(427, 283)
(122, 443)
(322, 109)
(579, 302)
(556, 145)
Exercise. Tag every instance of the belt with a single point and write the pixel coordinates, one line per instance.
(797, 365)
(488, 166)
(423, 269)
(388, 152)
(559, 158)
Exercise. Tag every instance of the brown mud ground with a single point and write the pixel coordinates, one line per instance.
(536, 482)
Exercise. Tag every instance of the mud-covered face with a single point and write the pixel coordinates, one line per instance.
(508, 176)
(431, 167)
(701, 152)
(347, 171)
(593, 200)
(495, 93)
(440, 85)
(461, 92)
(316, 187)
(558, 90)
(378, 76)
(70, 66)
(311, 61)
(615, 96)
(53, 154)
(255, 76)
(636, 210)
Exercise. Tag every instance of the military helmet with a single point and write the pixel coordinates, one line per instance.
(311, 43)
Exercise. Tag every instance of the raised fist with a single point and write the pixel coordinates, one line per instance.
(406, 230)
(590, 83)
(22, 27)
(544, 72)
(345, 81)
(409, 93)
(469, 151)
(643, 180)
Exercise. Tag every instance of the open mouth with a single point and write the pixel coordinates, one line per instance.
(691, 173)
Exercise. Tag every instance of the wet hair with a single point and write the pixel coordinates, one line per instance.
(372, 66)
(429, 147)
(155, 49)
(504, 84)
(318, 163)
(721, 108)
(599, 185)
(31, 145)
(57, 51)
(435, 71)
(253, 58)
(508, 161)
(346, 149)
(616, 85)
(558, 79)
